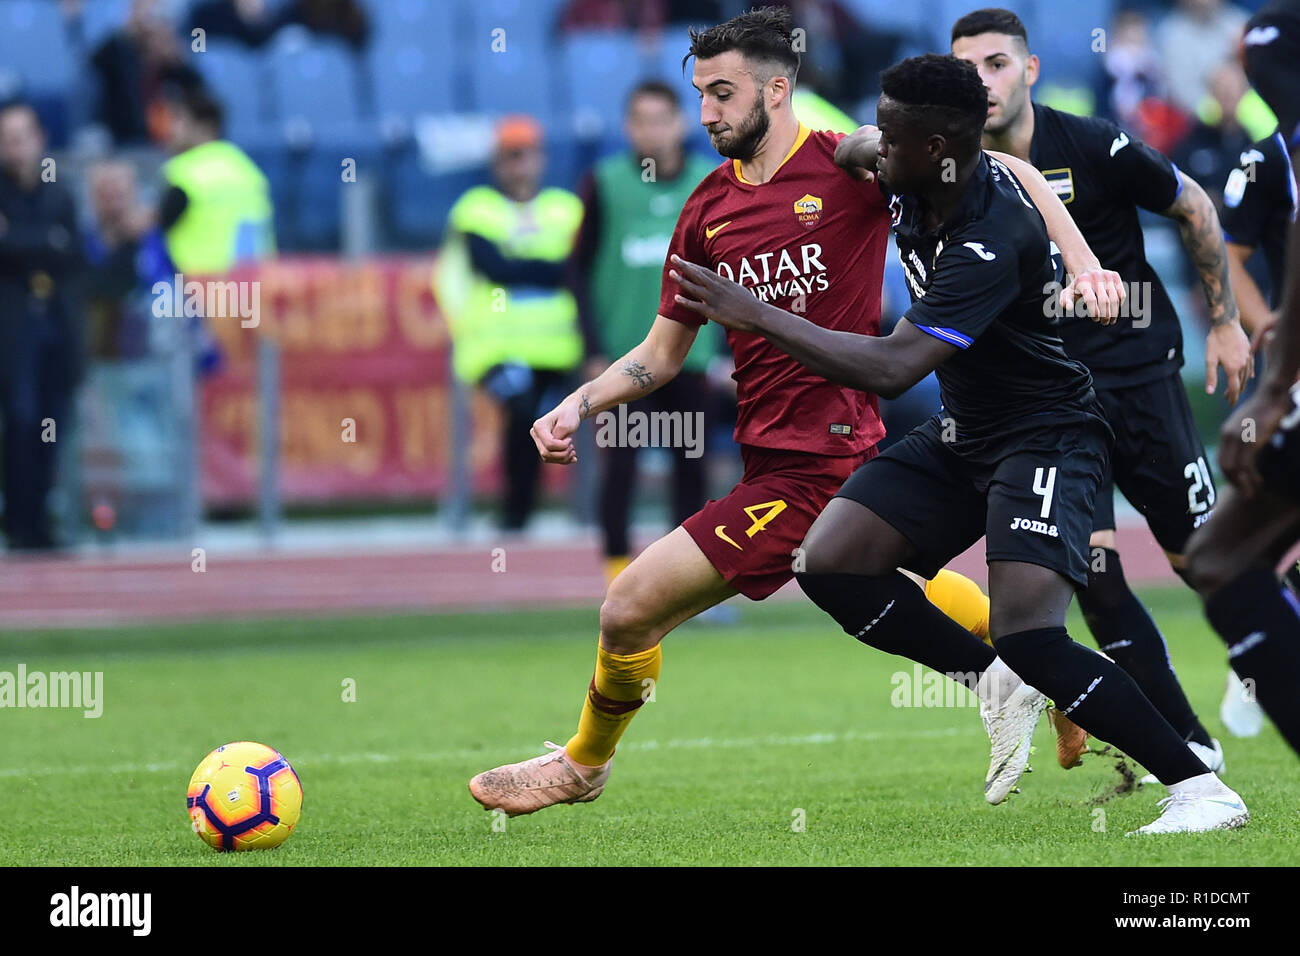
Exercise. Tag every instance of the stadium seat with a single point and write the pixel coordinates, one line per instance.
(598, 70)
(314, 81)
(35, 45)
(411, 77)
(416, 204)
(101, 18)
(521, 78)
(238, 78)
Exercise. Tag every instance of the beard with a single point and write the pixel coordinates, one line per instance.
(745, 138)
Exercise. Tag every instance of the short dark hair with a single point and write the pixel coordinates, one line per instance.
(203, 107)
(766, 33)
(654, 88)
(990, 20)
(941, 94)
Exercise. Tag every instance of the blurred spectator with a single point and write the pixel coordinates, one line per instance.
(139, 68)
(1195, 38)
(1218, 139)
(244, 21)
(345, 19)
(1133, 70)
(616, 272)
(125, 254)
(500, 281)
(843, 55)
(40, 351)
(216, 211)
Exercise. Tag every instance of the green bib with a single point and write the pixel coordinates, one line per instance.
(228, 218)
(636, 226)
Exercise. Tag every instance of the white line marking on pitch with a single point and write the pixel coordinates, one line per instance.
(698, 743)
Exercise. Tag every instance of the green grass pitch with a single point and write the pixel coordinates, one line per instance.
(756, 728)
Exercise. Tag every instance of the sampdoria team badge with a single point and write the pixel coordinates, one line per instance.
(808, 209)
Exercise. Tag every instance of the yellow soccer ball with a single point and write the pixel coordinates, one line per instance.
(244, 796)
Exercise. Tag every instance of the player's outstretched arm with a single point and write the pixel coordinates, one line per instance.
(1227, 344)
(1100, 290)
(888, 365)
(1253, 424)
(653, 363)
(1256, 317)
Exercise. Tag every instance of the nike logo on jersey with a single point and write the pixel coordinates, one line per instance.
(1262, 36)
(721, 532)
(710, 233)
(979, 250)
(1118, 143)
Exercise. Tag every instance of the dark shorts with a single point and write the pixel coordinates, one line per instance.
(1033, 503)
(1279, 460)
(751, 534)
(1159, 462)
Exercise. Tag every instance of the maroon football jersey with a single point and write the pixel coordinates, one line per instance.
(810, 240)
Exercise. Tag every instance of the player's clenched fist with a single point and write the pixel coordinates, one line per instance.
(553, 433)
(1101, 291)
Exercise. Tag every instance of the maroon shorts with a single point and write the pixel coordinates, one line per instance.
(751, 534)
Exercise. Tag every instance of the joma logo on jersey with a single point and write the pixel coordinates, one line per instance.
(773, 275)
(808, 209)
(1062, 183)
(1034, 525)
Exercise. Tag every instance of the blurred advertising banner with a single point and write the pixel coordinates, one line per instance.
(365, 399)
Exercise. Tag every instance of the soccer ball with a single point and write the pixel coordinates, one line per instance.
(244, 796)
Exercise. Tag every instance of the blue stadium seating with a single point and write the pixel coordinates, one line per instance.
(416, 203)
(36, 46)
(411, 77)
(599, 69)
(314, 81)
(99, 18)
(238, 77)
(522, 77)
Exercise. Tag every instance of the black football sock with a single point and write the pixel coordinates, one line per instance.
(1260, 620)
(1124, 630)
(890, 613)
(1100, 697)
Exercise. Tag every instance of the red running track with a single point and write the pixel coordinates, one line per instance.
(96, 591)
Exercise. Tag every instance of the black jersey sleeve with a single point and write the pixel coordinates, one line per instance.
(1253, 193)
(975, 279)
(1138, 173)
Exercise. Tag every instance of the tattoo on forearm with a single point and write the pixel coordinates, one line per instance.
(1203, 238)
(643, 377)
(586, 407)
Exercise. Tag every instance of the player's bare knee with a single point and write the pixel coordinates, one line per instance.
(627, 623)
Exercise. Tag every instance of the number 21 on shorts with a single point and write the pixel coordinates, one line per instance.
(1044, 485)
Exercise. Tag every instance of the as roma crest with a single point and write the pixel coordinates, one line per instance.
(808, 210)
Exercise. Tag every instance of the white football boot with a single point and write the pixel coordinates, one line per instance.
(1211, 756)
(1010, 709)
(1196, 805)
(1240, 712)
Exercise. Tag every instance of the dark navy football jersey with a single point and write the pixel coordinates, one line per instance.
(1259, 202)
(1103, 176)
(984, 281)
